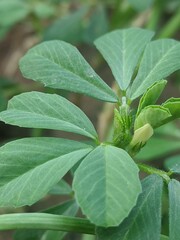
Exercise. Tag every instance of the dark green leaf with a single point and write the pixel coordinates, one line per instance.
(107, 185)
(173, 164)
(144, 221)
(174, 209)
(68, 28)
(61, 188)
(47, 111)
(97, 26)
(158, 147)
(122, 50)
(151, 95)
(60, 65)
(160, 59)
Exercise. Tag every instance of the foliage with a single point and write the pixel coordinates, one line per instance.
(106, 183)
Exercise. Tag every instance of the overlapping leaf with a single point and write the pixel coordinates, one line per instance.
(29, 168)
(58, 64)
(160, 59)
(174, 209)
(104, 192)
(61, 188)
(154, 115)
(122, 50)
(151, 95)
(48, 111)
(173, 104)
(144, 222)
(173, 164)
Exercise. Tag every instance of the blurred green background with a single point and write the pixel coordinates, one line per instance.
(24, 23)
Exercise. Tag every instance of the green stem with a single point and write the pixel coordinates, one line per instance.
(151, 170)
(45, 221)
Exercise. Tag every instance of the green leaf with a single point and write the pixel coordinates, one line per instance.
(61, 188)
(122, 50)
(97, 25)
(140, 5)
(174, 209)
(144, 221)
(44, 10)
(58, 64)
(163, 237)
(158, 147)
(68, 208)
(160, 59)
(173, 104)
(151, 95)
(29, 168)
(107, 185)
(154, 115)
(18, 157)
(47, 111)
(173, 164)
(12, 11)
(69, 28)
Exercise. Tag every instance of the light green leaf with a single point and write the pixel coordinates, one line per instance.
(160, 59)
(44, 10)
(144, 221)
(107, 185)
(163, 237)
(27, 164)
(18, 157)
(12, 11)
(173, 104)
(140, 5)
(58, 64)
(158, 147)
(151, 95)
(173, 164)
(154, 115)
(69, 28)
(61, 188)
(68, 208)
(122, 50)
(174, 209)
(47, 111)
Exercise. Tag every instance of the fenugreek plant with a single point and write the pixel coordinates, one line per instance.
(106, 183)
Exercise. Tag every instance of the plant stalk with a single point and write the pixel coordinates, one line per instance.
(45, 221)
(151, 170)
